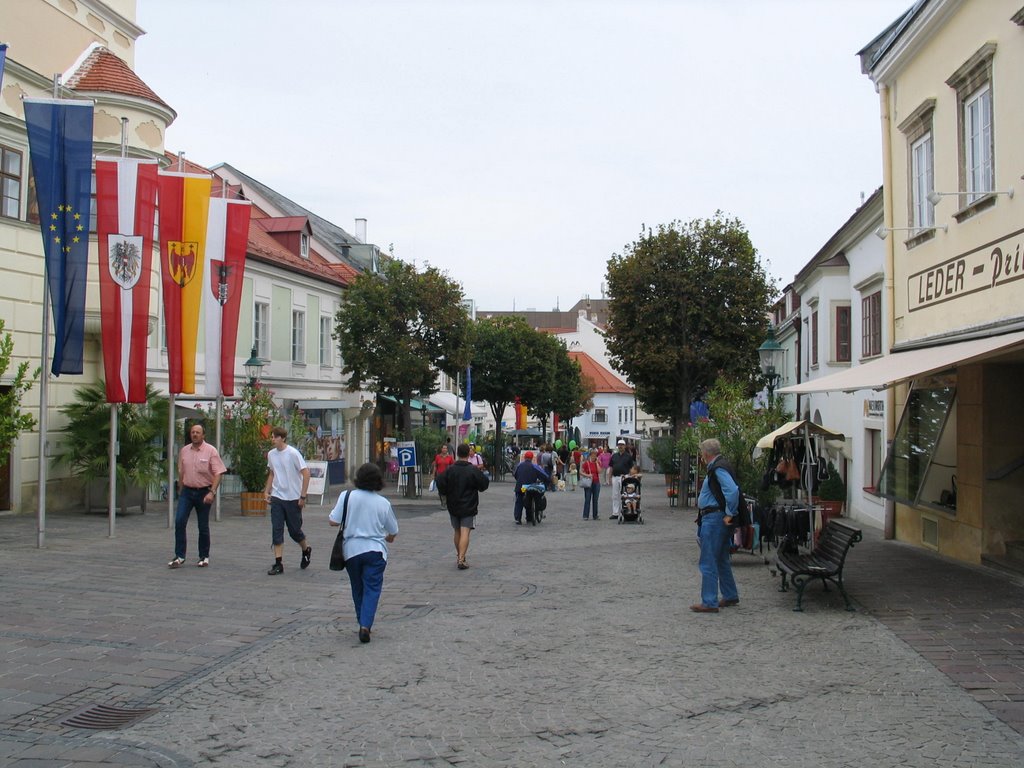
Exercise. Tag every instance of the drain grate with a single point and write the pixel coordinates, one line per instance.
(101, 717)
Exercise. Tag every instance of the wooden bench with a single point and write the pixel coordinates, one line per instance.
(825, 562)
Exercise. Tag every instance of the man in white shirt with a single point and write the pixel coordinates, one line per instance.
(287, 481)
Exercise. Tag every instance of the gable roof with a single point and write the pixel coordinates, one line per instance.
(603, 380)
(284, 224)
(104, 72)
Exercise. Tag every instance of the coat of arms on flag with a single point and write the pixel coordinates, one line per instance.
(181, 261)
(124, 259)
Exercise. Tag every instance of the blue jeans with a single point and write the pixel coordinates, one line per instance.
(715, 565)
(590, 496)
(366, 574)
(187, 499)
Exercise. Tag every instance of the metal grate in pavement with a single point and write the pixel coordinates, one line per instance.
(102, 717)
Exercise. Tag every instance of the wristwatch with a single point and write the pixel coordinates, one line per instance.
(302, 497)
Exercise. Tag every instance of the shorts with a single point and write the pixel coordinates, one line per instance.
(462, 522)
(285, 512)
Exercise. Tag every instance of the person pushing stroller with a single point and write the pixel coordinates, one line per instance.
(630, 496)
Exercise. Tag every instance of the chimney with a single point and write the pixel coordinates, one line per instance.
(361, 230)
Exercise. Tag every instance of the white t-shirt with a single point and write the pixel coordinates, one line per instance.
(287, 466)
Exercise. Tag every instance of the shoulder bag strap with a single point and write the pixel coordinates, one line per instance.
(344, 509)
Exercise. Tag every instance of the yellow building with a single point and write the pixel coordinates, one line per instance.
(950, 79)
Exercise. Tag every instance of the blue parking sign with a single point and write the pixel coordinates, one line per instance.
(407, 454)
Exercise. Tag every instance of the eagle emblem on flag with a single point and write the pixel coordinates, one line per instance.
(219, 283)
(124, 259)
(181, 261)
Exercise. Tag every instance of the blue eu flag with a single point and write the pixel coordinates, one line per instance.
(3, 58)
(60, 145)
(467, 414)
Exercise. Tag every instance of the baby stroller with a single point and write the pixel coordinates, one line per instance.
(534, 502)
(629, 502)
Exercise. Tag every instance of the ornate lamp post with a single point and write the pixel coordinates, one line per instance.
(253, 367)
(772, 355)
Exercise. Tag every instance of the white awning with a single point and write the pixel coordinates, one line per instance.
(900, 366)
(794, 427)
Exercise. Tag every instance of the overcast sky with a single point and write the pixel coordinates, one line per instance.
(518, 145)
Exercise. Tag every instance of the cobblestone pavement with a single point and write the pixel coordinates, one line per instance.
(569, 643)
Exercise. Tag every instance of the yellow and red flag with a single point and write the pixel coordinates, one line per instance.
(227, 238)
(184, 205)
(125, 210)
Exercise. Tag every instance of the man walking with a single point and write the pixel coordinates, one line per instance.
(287, 481)
(460, 485)
(199, 471)
(526, 473)
(713, 533)
(618, 467)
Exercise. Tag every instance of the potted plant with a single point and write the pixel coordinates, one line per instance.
(86, 445)
(832, 493)
(247, 425)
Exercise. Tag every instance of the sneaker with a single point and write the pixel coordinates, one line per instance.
(364, 635)
(307, 554)
(204, 562)
(275, 569)
(176, 562)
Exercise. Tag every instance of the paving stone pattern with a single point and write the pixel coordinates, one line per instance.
(569, 643)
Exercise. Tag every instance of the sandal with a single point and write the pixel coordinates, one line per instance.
(461, 564)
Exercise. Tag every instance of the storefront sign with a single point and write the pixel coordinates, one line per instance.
(995, 263)
(874, 408)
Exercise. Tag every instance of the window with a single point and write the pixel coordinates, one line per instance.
(977, 119)
(922, 180)
(600, 416)
(10, 182)
(814, 337)
(304, 245)
(298, 336)
(973, 85)
(922, 457)
(326, 353)
(873, 458)
(842, 327)
(871, 325)
(261, 329)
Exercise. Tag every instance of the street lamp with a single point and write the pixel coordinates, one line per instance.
(423, 414)
(253, 366)
(772, 355)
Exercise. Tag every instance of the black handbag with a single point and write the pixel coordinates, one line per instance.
(338, 550)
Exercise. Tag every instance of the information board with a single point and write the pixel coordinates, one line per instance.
(317, 479)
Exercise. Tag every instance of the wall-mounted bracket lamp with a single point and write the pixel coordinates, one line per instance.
(883, 231)
(936, 197)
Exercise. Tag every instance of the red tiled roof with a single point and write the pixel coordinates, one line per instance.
(347, 273)
(104, 72)
(285, 224)
(602, 379)
(265, 248)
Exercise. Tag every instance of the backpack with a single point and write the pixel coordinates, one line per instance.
(742, 518)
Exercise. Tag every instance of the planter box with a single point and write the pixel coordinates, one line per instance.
(253, 504)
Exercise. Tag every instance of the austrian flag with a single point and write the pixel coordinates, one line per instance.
(125, 210)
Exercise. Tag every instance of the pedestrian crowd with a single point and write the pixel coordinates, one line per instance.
(369, 524)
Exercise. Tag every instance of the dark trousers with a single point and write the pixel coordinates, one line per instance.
(188, 499)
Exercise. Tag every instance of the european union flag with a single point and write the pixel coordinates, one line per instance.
(60, 145)
(467, 414)
(3, 59)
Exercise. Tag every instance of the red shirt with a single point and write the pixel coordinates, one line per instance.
(442, 462)
(198, 466)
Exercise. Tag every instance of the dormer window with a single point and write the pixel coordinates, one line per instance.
(304, 245)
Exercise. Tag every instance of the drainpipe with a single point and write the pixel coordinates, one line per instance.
(890, 287)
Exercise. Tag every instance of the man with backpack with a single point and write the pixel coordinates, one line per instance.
(717, 504)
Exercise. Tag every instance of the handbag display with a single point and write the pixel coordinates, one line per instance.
(338, 550)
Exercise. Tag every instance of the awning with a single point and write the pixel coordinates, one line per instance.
(794, 427)
(414, 404)
(323, 405)
(900, 366)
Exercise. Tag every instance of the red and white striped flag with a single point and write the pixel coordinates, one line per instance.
(125, 209)
(227, 235)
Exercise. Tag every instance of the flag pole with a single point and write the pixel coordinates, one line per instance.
(170, 455)
(112, 510)
(43, 391)
(458, 413)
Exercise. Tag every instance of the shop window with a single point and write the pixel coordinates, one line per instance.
(872, 459)
(921, 466)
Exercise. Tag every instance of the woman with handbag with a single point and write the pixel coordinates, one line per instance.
(590, 482)
(368, 525)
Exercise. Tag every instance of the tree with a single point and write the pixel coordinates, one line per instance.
(556, 385)
(13, 421)
(396, 329)
(86, 444)
(688, 304)
(504, 351)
